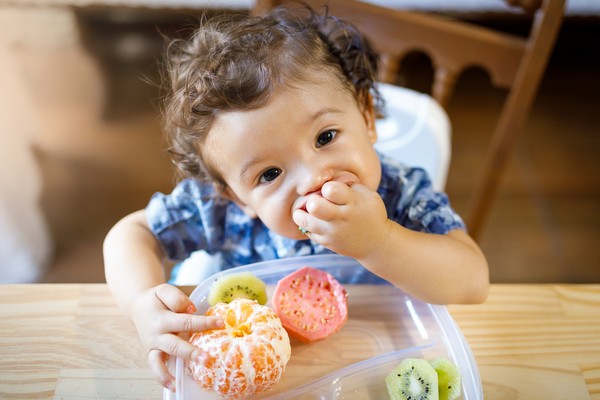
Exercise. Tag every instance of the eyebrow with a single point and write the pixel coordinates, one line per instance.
(246, 167)
(325, 111)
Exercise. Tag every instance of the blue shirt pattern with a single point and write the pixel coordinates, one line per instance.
(193, 218)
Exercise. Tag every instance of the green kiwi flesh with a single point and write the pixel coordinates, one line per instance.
(448, 378)
(242, 284)
(413, 379)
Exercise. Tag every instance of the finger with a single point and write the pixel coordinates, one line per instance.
(300, 218)
(308, 224)
(174, 299)
(157, 360)
(336, 192)
(192, 323)
(175, 346)
(321, 209)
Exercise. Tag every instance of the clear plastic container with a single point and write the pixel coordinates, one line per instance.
(353, 363)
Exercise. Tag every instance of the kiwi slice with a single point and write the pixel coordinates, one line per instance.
(414, 379)
(242, 284)
(448, 378)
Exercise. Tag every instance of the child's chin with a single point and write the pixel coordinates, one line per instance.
(290, 233)
(302, 237)
(298, 236)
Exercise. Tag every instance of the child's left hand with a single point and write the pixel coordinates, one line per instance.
(349, 220)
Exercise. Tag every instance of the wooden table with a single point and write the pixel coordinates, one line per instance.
(71, 342)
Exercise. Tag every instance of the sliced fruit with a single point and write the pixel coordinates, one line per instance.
(448, 378)
(311, 303)
(237, 285)
(413, 378)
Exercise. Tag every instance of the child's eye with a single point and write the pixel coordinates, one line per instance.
(325, 137)
(270, 175)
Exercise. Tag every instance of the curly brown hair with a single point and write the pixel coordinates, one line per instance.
(235, 62)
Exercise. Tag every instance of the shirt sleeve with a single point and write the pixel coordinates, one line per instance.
(412, 201)
(188, 219)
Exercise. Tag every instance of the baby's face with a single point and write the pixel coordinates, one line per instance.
(273, 157)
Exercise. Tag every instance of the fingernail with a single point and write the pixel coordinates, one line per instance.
(171, 386)
(219, 323)
(191, 309)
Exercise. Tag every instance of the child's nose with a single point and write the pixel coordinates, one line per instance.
(313, 177)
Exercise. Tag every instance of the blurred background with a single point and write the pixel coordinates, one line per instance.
(81, 144)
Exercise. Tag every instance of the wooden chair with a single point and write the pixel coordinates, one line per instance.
(513, 62)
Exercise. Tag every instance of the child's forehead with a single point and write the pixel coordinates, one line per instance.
(313, 80)
(308, 96)
(323, 80)
(301, 97)
(296, 100)
(324, 75)
(299, 102)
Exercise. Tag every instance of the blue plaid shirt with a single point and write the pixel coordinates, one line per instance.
(192, 218)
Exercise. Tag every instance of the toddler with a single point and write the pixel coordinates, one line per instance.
(271, 120)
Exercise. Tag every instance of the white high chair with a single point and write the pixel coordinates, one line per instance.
(415, 131)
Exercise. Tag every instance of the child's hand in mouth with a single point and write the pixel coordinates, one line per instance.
(344, 216)
(316, 209)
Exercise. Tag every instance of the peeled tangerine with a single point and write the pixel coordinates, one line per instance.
(247, 356)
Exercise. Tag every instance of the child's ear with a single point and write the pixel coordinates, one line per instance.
(229, 195)
(370, 117)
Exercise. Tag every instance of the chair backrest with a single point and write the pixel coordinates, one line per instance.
(513, 62)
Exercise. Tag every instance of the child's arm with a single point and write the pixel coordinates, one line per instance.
(135, 276)
(439, 269)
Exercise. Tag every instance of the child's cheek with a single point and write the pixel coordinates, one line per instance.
(281, 223)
